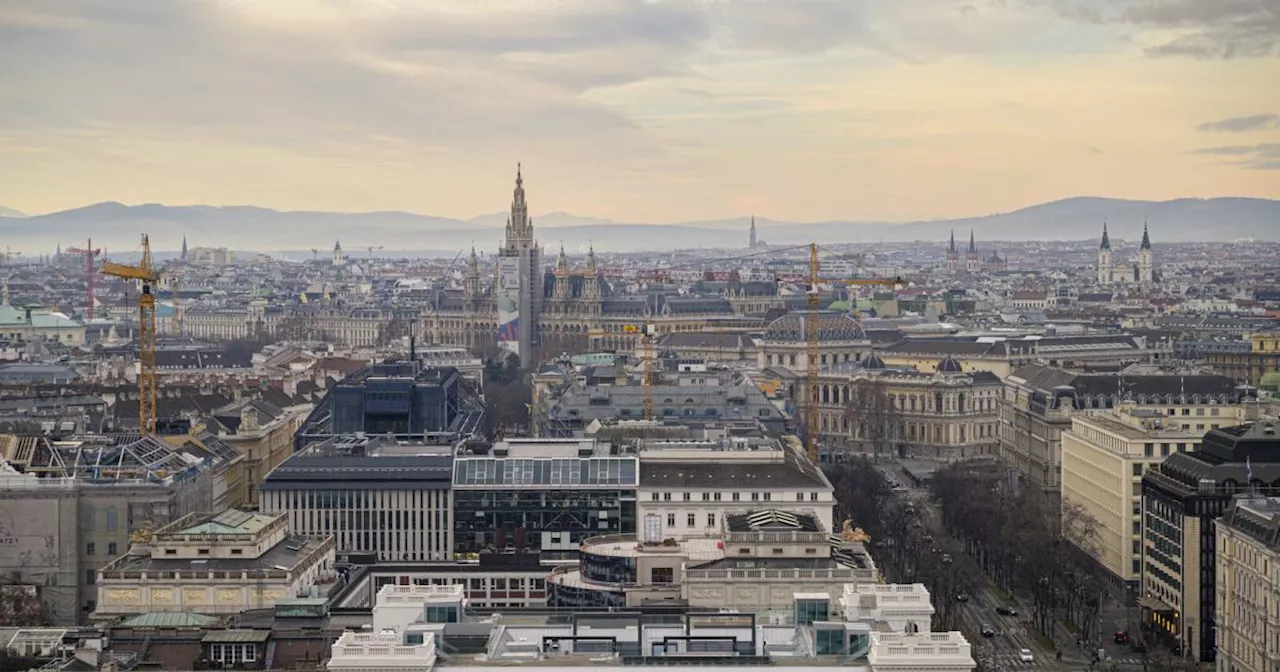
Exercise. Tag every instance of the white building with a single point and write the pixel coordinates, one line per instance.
(890, 633)
(224, 564)
(686, 486)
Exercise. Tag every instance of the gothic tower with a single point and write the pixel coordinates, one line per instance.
(183, 258)
(1104, 258)
(471, 283)
(520, 284)
(337, 253)
(751, 245)
(591, 283)
(972, 262)
(563, 290)
(1146, 272)
(953, 257)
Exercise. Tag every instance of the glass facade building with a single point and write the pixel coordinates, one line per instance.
(542, 504)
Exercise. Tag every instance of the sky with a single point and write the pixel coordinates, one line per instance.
(637, 110)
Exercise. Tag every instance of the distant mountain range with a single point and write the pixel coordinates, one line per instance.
(117, 226)
(10, 212)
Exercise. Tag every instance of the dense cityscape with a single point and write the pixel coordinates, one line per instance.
(957, 455)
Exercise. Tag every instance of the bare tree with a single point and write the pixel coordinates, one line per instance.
(392, 331)
(300, 328)
(874, 420)
(20, 606)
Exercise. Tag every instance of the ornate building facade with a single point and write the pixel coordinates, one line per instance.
(1141, 272)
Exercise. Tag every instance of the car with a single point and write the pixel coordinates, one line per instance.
(1006, 611)
(962, 597)
(988, 631)
(899, 488)
(1138, 647)
(1121, 637)
(1025, 656)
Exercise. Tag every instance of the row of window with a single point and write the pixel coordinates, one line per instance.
(733, 496)
(91, 549)
(691, 520)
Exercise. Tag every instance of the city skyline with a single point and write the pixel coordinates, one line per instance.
(807, 111)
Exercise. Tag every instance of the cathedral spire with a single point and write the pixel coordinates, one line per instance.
(752, 243)
(1106, 240)
(591, 259)
(1146, 239)
(183, 258)
(973, 249)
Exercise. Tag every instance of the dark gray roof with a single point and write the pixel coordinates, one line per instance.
(793, 473)
(704, 339)
(303, 471)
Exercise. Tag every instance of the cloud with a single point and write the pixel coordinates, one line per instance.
(1203, 29)
(1257, 122)
(1263, 156)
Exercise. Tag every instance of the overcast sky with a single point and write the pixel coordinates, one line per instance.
(637, 110)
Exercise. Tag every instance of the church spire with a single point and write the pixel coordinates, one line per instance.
(183, 258)
(1106, 240)
(591, 259)
(752, 243)
(973, 249)
(1146, 239)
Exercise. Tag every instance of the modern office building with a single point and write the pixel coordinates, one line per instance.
(214, 564)
(686, 486)
(1248, 543)
(1104, 455)
(1039, 400)
(402, 399)
(1181, 498)
(372, 494)
(541, 497)
(68, 508)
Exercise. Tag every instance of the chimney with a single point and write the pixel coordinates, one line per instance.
(248, 419)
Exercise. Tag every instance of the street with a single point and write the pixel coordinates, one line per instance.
(1014, 633)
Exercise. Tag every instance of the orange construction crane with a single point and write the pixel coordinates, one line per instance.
(812, 355)
(89, 252)
(147, 275)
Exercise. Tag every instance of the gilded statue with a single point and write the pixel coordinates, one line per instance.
(853, 534)
(142, 535)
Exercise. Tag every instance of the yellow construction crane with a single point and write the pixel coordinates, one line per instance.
(147, 275)
(812, 355)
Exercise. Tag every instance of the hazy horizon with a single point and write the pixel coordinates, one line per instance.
(635, 111)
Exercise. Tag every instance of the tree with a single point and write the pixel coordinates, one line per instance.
(300, 328)
(20, 606)
(392, 330)
(874, 421)
(507, 393)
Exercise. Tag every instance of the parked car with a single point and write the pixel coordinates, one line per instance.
(1006, 611)
(1121, 637)
(988, 631)
(962, 597)
(1025, 656)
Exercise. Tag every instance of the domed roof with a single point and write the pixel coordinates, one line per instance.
(873, 362)
(949, 364)
(832, 326)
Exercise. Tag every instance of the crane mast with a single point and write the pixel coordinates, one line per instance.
(812, 353)
(145, 274)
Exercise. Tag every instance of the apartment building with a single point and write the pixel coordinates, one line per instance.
(1248, 606)
(1104, 456)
